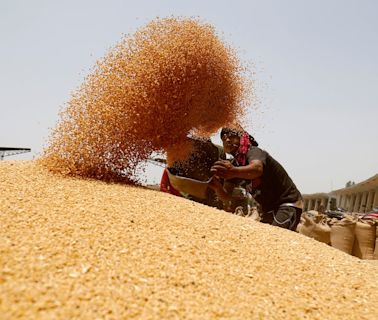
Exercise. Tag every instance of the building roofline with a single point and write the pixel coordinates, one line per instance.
(368, 183)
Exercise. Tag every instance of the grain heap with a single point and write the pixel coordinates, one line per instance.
(84, 249)
(351, 234)
(172, 77)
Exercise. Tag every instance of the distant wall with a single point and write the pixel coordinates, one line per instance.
(361, 197)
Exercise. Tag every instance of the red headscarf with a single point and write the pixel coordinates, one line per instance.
(241, 158)
(241, 155)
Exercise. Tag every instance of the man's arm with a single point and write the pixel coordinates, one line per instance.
(226, 170)
(224, 192)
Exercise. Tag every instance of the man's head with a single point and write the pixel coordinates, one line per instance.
(231, 139)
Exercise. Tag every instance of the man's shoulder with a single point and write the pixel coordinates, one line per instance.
(256, 152)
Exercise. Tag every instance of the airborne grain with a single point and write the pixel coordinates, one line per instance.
(172, 77)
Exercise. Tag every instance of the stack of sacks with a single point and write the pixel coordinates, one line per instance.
(351, 235)
(315, 226)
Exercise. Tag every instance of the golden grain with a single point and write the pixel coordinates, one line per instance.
(84, 249)
(171, 77)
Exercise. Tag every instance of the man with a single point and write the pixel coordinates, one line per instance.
(265, 179)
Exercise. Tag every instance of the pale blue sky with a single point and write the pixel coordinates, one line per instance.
(316, 73)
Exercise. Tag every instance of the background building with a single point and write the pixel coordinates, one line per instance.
(360, 197)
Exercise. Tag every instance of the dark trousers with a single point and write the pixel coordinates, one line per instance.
(286, 217)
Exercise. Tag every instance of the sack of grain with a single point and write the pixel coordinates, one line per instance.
(254, 214)
(364, 241)
(315, 227)
(375, 257)
(342, 234)
(313, 213)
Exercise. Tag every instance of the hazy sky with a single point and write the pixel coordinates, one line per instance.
(316, 73)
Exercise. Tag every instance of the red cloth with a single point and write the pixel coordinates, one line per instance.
(241, 158)
(165, 185)
(241, 155)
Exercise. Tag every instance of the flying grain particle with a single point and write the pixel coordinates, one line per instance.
(172, 77)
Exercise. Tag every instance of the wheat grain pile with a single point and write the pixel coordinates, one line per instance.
(85, 249)
(172, 77)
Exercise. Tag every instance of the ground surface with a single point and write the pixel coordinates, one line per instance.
(75, 249)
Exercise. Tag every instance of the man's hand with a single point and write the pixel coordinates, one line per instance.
(215, 184)
(224, 169)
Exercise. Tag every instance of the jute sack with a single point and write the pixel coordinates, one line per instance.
(315, 227)
(310, 214)
(342, 234)
(313, 213)
(376, 242)
(364, 241)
